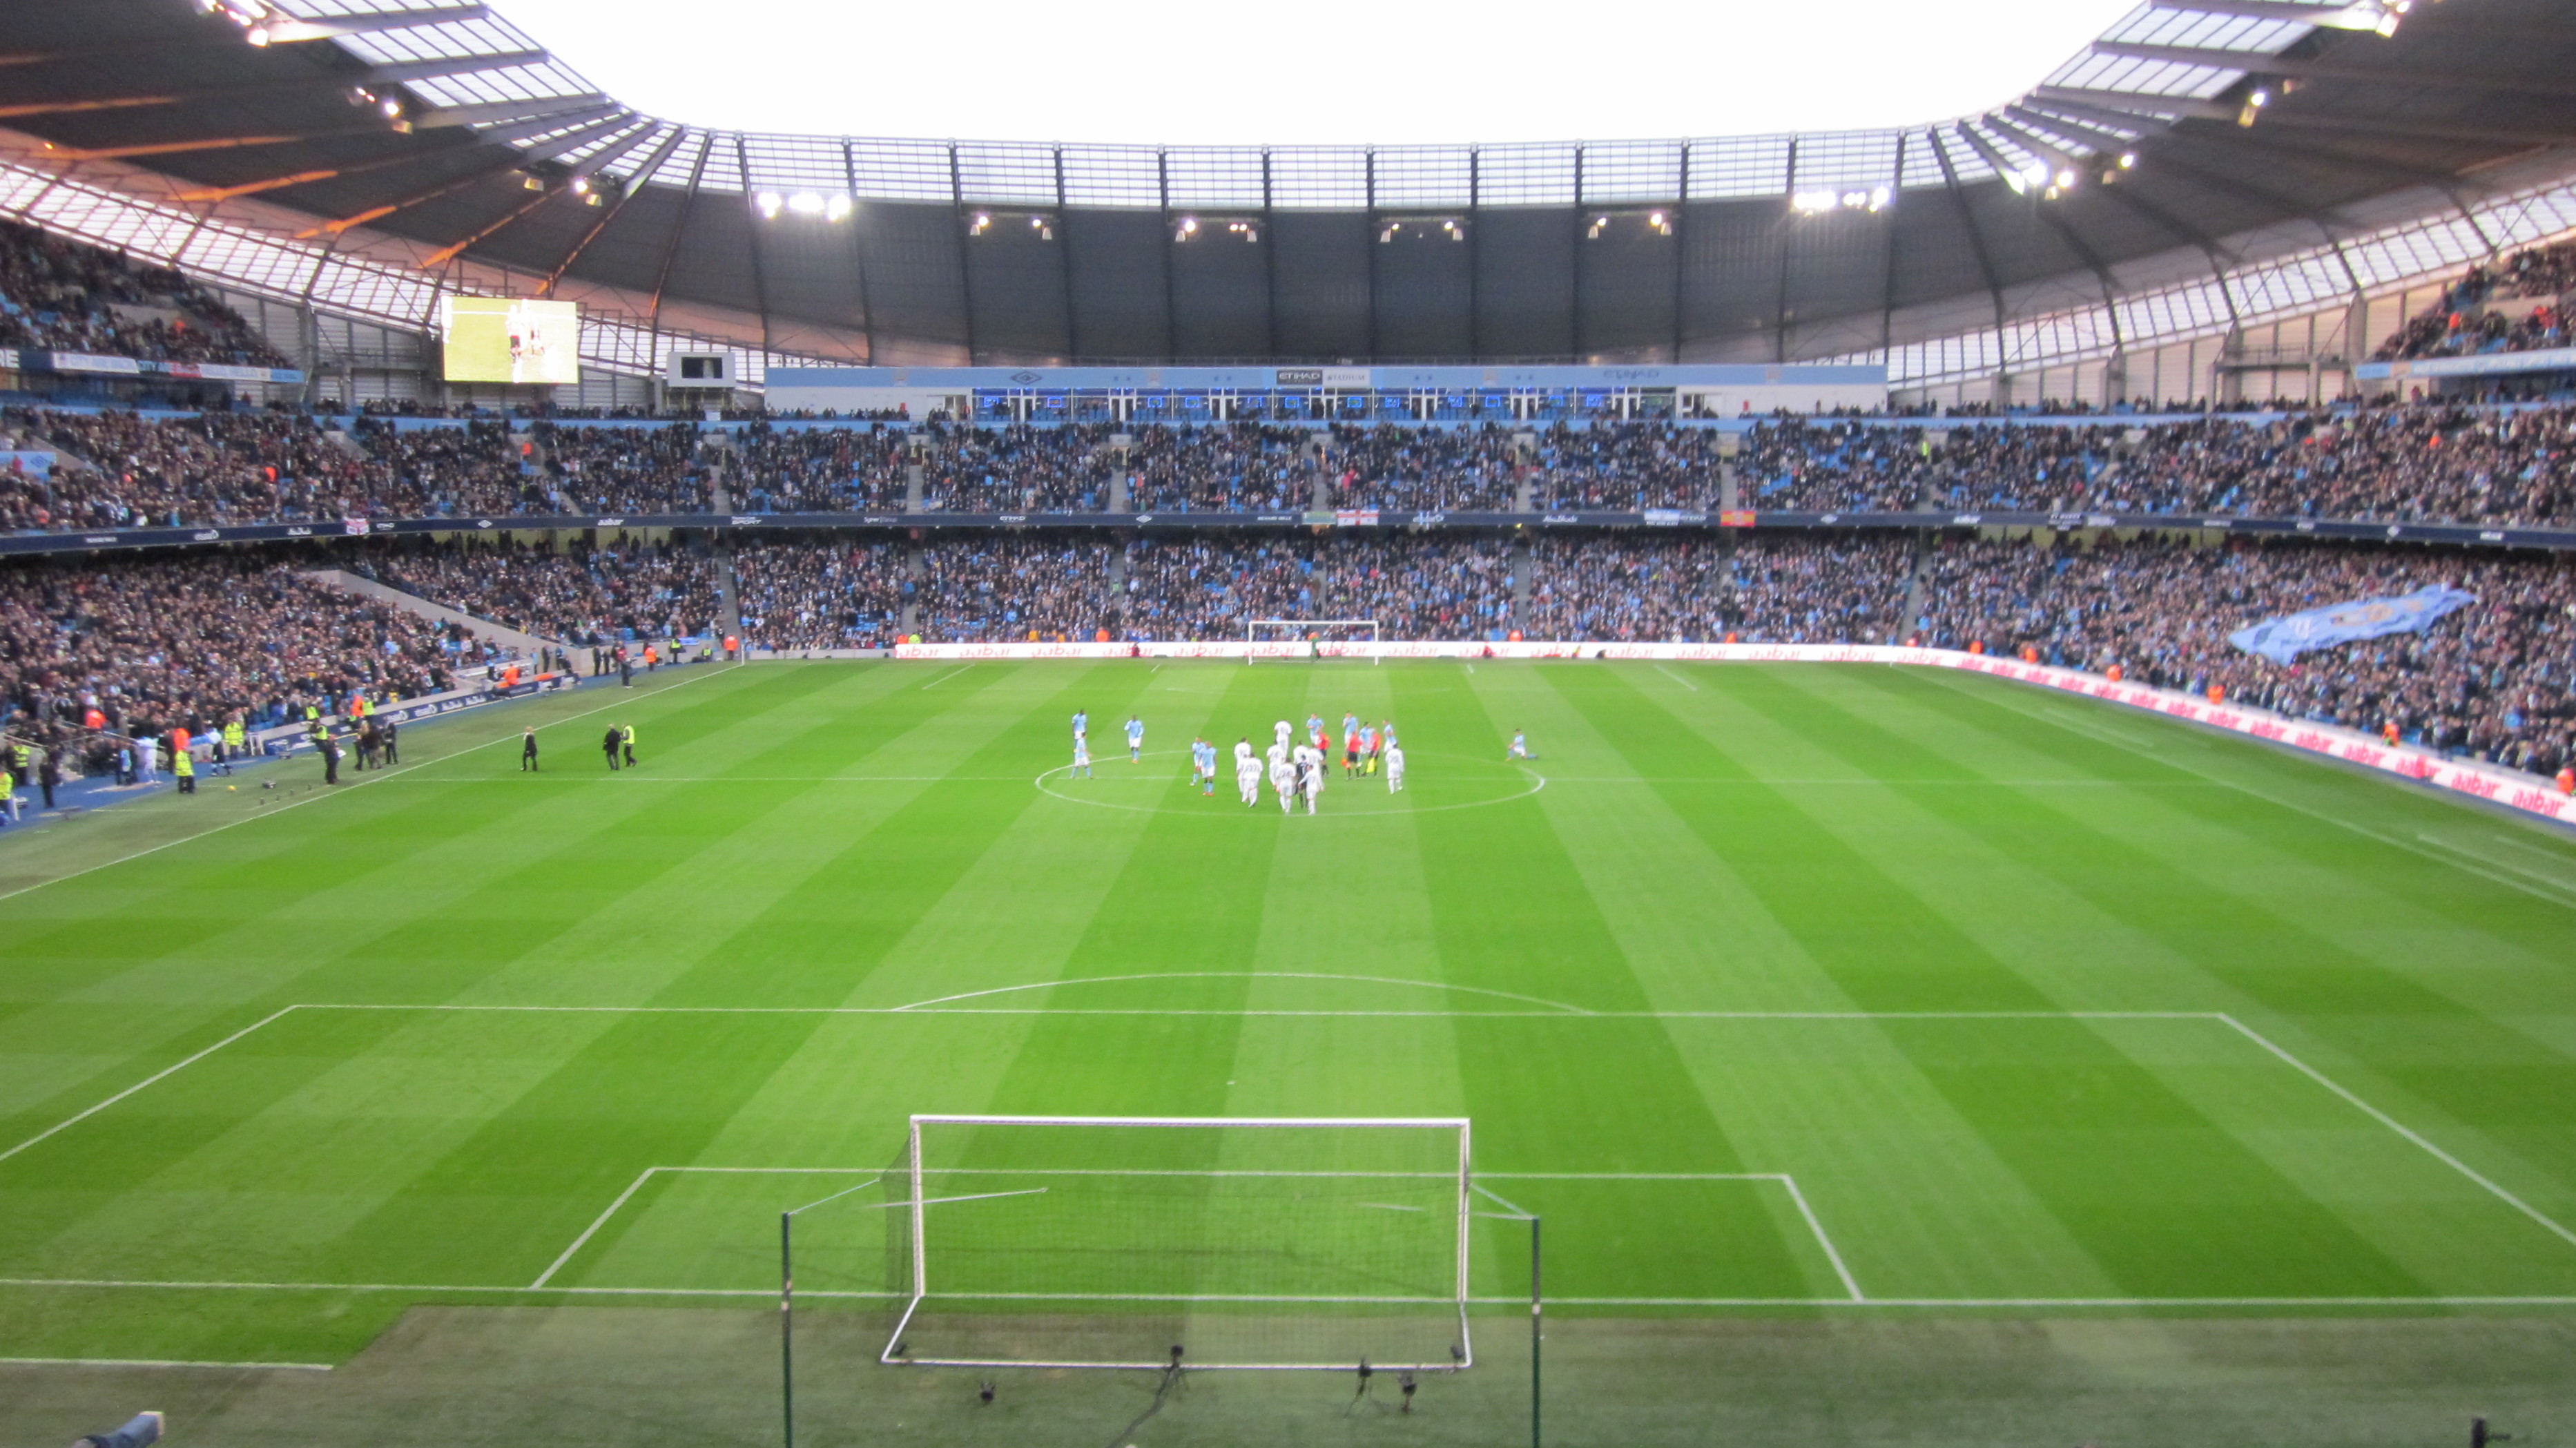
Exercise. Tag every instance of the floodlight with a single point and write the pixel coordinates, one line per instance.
(391, 107)
(257, 35)
(1879, 196)
(1814, 203)
(2259, 99)
(2128, 160)
(2066, 179)
(836, 207)
(768, 204)
(805, 203)
(581, 186)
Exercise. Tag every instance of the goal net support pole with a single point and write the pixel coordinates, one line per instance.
(1323, 1243)
(1314, 632)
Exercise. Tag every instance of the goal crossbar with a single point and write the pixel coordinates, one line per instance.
(1445, 1210)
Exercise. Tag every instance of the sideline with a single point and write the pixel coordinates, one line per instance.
(347, 789)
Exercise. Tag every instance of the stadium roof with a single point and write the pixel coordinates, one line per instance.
(2192, 136)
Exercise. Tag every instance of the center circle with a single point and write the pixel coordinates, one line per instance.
(1365, 797)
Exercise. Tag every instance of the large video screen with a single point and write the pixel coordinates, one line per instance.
(511, 339)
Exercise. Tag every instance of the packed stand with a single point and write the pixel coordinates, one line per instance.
(58, 295)
(2477, 313)
(1017, 469)
(1424, 469)
(2496, 679)
(1016, 589)
(586, 596)
(797, 595)
(2431, 463)
(1753, 589)
(1212, 588)
(819, 470)
(91, 654)
(120, 470)
(1241, 467)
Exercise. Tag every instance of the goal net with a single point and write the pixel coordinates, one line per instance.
(1282, 639)
(1243, 1243)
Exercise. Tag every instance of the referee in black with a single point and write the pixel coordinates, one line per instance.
(528, 749)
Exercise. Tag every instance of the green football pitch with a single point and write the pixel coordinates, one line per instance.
(1849, 1028)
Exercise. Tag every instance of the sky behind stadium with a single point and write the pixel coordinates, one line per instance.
(1396, 72)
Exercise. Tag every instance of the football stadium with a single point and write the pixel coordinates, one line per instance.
(1897, 781)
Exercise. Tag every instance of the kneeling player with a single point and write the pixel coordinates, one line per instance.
(1394, 769)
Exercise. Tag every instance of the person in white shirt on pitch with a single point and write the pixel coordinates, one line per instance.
(1394, 769)
(1282, 734)
(1309, 773)
(1283, 778)
(1247, 773)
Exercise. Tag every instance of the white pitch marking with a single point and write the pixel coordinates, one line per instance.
(595, 1224)
(771, 1293)
(381, 777)
(1676, 678)
(1518, 1213)
(944, 678)
(45, 1362)
(1798, 1197)
(2553, 897)
(836, 1196)
(2409, 1133)
(1245, 975)
(174, 1068)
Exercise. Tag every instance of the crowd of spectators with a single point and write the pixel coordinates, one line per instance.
(2440, 462)
(1017, 469)
(89, 650)
(583, 596)
(1242, 468)
(2476, 313)
(802, 595)
(2445, 462)
(1214, 587)
(1755, 589)
(1002, 588)
(2496, 679)
(61, 296)
(819, 470)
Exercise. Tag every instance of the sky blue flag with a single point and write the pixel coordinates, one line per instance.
(2283, 639)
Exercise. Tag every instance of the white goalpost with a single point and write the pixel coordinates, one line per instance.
(1200, 1242)
(1281, 639)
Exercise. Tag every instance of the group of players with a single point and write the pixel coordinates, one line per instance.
(1293, 769)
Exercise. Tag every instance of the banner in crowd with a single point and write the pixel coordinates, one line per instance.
(2283, 639)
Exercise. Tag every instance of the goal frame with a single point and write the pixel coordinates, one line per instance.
(917, 1198)
(1252, 641)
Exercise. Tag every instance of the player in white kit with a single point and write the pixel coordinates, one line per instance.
(1394, 769)
(1309, 773)
(1281, 735)
(1247, 773)
(1283, 778)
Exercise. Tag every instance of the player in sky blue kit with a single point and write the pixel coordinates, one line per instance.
(1081, 724)
(1203, 765)
(1081, 757)
(1135, 740)
(1520, 747)
(1315, 729)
